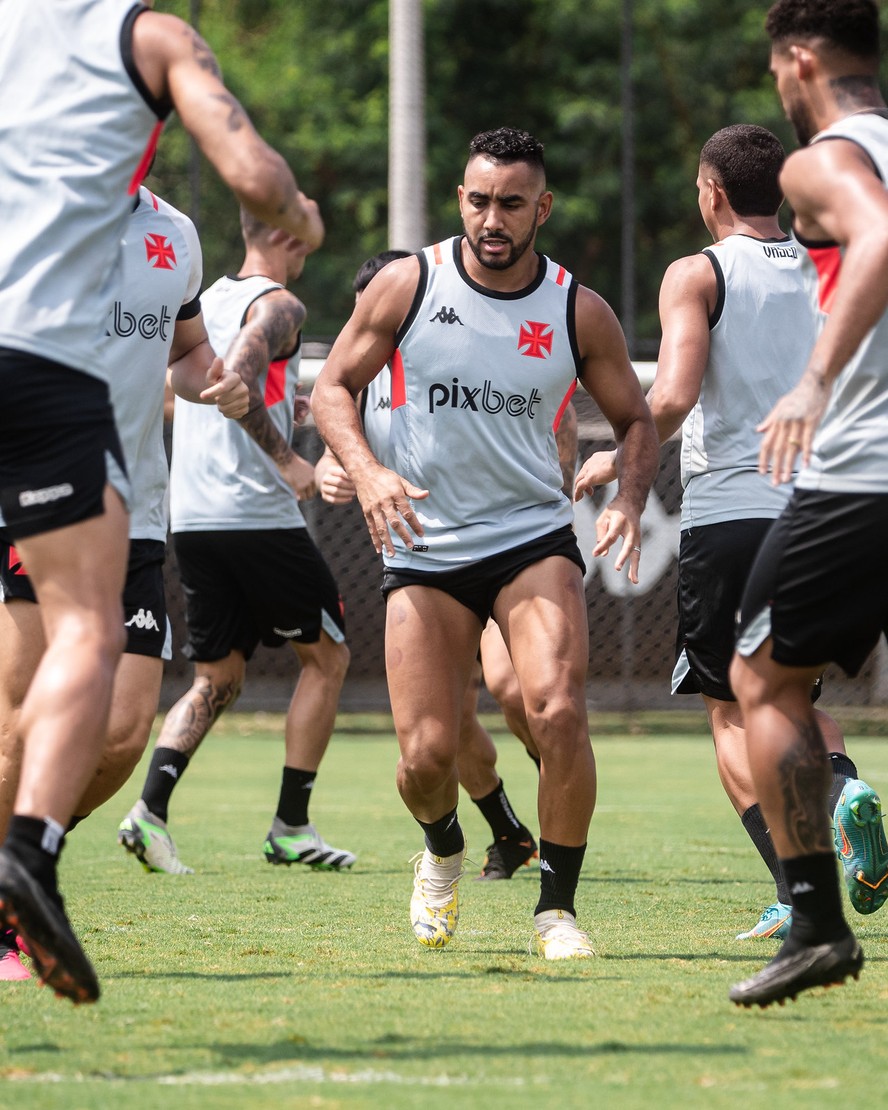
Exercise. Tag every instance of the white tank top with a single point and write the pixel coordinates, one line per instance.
(760, 336)
(851, 445)
(479, 382)
(161, 278)
(75, 119)
(221, 479)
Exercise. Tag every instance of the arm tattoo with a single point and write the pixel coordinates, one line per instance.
(204, 56)
(803, 775)
(273, 335)
(236, 115)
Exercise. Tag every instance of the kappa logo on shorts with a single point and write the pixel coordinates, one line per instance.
(144, 620)
(30, 497)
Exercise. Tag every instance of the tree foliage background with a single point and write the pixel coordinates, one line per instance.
(313, 75)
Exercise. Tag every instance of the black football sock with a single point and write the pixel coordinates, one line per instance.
(166, 768)
(842, 768)
(755, 826)
(559, 874)
(444, 837)
(36, 842)
(816, 901)
(498, 813)
(296, 787)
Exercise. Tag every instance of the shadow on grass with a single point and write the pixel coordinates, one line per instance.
(395, 1047)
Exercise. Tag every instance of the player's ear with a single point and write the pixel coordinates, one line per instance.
(544, 208)
(805, 60)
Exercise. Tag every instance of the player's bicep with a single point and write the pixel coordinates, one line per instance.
(687, 298)
(607, 374)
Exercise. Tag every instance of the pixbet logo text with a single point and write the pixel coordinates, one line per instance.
(482, 398)
(148, 325)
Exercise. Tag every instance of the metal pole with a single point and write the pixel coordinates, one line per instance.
(627, 179)
(407, 140)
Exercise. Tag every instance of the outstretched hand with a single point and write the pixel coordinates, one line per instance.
(790, 426)
(616, 521)
(600, 469)
(385, 498)
(227, 390)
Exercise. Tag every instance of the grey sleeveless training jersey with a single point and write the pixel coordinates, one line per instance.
(161, 279)
(376, 414)
(851, 446)
(759, 344)
(75, 119)
(221, 480)
(479, 381)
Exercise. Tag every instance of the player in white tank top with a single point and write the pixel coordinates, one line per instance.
(464, 415)
(811, 598)
(80, 84)
(155, 323)
(249, 568)
(513, 844)
(737, 329)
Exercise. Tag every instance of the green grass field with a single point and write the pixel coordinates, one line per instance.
(251, 986)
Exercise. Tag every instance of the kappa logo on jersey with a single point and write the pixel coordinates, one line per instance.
(159, 251)
(16, 566)
(536, 337)
(144, 620)
(148, 325)
(382, 404)
(457, 396)
(446, 315)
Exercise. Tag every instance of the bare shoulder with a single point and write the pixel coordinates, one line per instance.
(691, 272)
(598, 329)
(824, 182)
(161, 41)
(690, 279)
(279, 316)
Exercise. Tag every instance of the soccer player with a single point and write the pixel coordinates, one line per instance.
(737, 330)
(513, 844)
(809, 599)
(86, 85)
(249, 568)
(155, 323)
(487, 339)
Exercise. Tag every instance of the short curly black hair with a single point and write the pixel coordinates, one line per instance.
(508, 144)
(369, 269)
(747, 160)
(849, 25)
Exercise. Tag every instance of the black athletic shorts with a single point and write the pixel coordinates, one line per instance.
(58, 445)
(713, 564)
(817, 586)
(144, 603)
(245, 588)
(477, 585)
